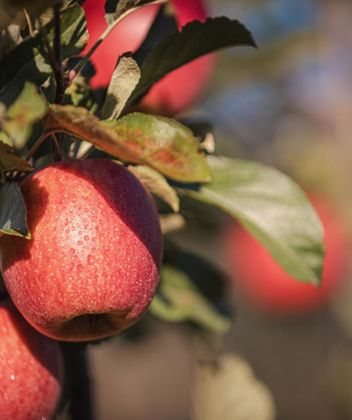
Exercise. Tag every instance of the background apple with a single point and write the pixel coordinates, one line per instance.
(30, 369)
(265, 285)
(92, 266)
(176, 91)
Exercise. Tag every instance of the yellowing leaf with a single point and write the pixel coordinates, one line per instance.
(161, 143)
(19, 118)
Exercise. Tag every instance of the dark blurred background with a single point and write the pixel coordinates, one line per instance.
(288, 104)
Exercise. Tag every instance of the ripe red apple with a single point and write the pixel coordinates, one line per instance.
(92, 266)
(30, 369)
(265, 285)
(176, 91)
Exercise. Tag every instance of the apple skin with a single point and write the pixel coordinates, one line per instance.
(30, 369)
(267, 287)
(92, 266)
(178, 90)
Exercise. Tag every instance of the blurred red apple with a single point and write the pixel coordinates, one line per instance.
(176, 91)
(30, 369)
(92, 266)
(265, 285)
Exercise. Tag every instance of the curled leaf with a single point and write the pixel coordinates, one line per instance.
(10, 161)
(179, 300)
(124, 80)
(161, 143)
(13, 213)
(157, 185)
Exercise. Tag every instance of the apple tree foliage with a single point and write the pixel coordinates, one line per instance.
(48, 112)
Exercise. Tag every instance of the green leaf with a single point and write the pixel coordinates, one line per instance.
(272, 208)
(29, 107)
(4, 138)
(195, 40)
(27, 62)
(13, 213)
(179, 300)
(157, 185)
(124, 80)
(161, 143)
(10, 162)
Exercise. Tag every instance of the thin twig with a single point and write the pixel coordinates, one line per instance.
(40, 141)
(58, 70)
(2, 177)
(49, 50)
(29, 22)
(57, 149)
(78, 382)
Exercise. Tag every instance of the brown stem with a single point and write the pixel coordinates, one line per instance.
(58, 69)
(40, 141)
(58, 157)
(78, 382)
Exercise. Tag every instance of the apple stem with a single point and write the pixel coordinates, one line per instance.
(78, 381)
(62, 81)
(58, 68)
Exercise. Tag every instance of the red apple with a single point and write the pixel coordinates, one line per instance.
(176, 91)
(265, 285)
(30, 369)
(92, 266)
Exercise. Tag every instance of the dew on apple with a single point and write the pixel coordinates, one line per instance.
(126, 263)
(30, 369)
